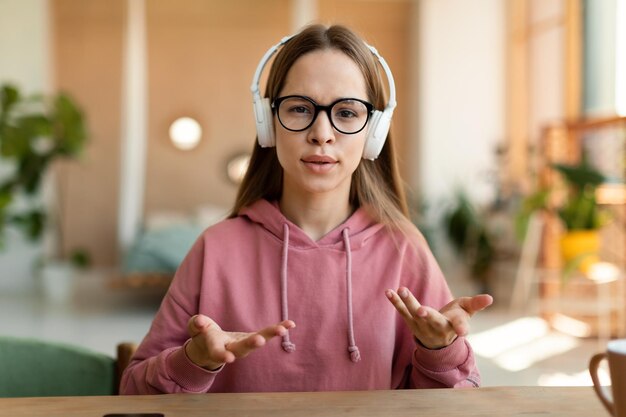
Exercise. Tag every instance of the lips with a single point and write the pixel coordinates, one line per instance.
(319, 164)
(319, 159)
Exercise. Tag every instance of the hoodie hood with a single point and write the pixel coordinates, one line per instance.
(350, 235)
(360, 226)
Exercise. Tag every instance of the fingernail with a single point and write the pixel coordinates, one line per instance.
(389, 294)
(403, 293)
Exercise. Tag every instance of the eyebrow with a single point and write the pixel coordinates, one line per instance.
(332, 101)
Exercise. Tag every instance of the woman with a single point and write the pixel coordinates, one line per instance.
(318, 236)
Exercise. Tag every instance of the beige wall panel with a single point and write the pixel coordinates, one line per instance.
(385, 25)
(517, 52)
(201, 59)
(87, 49)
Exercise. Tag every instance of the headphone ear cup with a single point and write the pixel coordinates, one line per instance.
(264, 122)
(377, 133)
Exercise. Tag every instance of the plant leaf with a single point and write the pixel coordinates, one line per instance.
(581, 175)
(9, 95)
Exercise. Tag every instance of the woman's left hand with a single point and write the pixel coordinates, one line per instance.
(436, 329)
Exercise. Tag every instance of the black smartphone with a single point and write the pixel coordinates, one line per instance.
(134, 415)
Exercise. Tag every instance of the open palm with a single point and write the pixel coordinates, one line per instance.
(211, 347)
(436, 329)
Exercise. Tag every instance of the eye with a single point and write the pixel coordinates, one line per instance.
(346, 114)
(349, 109)
(297, 106)
(299, 109)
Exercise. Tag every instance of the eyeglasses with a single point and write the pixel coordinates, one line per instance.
(346, 115)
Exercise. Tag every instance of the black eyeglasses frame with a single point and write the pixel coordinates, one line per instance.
(318, 108)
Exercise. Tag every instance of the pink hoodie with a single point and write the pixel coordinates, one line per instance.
(255, 270)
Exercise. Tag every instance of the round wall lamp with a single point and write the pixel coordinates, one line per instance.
(237, 166)
(185, 133)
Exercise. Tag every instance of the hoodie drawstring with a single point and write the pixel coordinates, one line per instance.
(288, 346)
(355, 355)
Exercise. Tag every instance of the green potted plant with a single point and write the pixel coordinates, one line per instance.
(469, 235)
(581, 215)
(35, 131)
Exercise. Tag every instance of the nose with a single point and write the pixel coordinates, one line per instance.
(321, 131)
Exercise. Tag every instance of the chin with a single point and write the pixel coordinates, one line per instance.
(321, 186)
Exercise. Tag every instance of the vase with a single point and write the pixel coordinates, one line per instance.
(581, 248)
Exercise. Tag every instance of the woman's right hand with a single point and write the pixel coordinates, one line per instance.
(211, 347)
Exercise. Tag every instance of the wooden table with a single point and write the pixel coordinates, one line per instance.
(497, 401)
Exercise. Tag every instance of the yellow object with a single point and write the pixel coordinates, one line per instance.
(582, 247)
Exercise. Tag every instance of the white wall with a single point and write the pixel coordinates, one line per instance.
(461, 92)
(461, 88)
(547, 67)
(24, 61)
(599, 65)
(24, 49)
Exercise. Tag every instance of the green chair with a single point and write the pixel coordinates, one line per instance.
(37, 368)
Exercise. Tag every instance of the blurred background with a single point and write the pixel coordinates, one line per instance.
(126, 125)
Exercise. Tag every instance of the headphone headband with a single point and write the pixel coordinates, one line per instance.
(391, 104)
(259, 69)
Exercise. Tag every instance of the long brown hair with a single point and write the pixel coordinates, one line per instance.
(376, 185)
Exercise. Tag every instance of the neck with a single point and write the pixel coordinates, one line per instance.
(316, 215)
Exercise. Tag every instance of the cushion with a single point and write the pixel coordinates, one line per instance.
(36, 368)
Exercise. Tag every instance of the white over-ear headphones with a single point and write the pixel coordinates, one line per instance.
(379, 122)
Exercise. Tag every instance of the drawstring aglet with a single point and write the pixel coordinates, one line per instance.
(288, 346)
(355, 355)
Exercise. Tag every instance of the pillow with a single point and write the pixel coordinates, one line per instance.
(161, 250)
